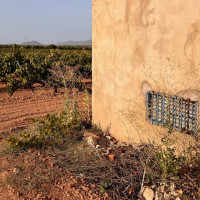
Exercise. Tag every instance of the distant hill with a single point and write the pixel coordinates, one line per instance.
(68, 43)
(34, 43)
(76, 43)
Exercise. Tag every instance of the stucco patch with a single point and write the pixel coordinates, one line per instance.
(146, 86)
(192, 94)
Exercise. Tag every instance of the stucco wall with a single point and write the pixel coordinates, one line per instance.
(141, 45)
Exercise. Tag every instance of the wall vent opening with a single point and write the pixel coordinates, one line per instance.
(168, 110)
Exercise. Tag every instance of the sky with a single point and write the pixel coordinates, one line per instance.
(45, 21)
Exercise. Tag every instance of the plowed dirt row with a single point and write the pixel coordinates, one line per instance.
(25, 104)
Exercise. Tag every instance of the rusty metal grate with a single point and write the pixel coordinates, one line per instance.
(164, 110)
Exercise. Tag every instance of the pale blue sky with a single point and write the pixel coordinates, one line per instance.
(46, 21)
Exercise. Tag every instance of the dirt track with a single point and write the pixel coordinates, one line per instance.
(24, 104)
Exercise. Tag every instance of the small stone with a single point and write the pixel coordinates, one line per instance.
(108, 137)
(167, 196)
(175, 194)
(172, 187)
(153, 186)
(114, 140)
(89, 134)
(91, 141)
(178, 198)
(180, 192)
(148, 194)
(131, 191)
(16, 170)
(106, 195)
(111, 156)
(97, 146)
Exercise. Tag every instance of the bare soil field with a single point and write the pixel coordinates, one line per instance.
(15, 112)
(24, 104)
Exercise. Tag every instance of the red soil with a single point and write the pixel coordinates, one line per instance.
(25, 104)
(14, 112)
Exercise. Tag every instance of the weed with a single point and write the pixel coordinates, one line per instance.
(87, 108)
(76, 117)
(104, 187)
(160, 163)
(51, 131)
(163, 164)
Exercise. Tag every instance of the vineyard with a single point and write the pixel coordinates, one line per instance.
(21, 67)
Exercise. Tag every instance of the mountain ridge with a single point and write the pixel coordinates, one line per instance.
(74, 43)
(33, 42)
(67, 43)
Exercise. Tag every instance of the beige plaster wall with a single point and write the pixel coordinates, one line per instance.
(141, 45)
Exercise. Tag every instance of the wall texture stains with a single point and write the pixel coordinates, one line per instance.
(192, 44)
(141, 45)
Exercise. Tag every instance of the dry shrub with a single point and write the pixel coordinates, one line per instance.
(62, 75)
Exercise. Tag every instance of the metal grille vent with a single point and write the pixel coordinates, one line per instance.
(179, 113)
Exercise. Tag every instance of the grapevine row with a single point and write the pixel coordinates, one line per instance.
(21, 68)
